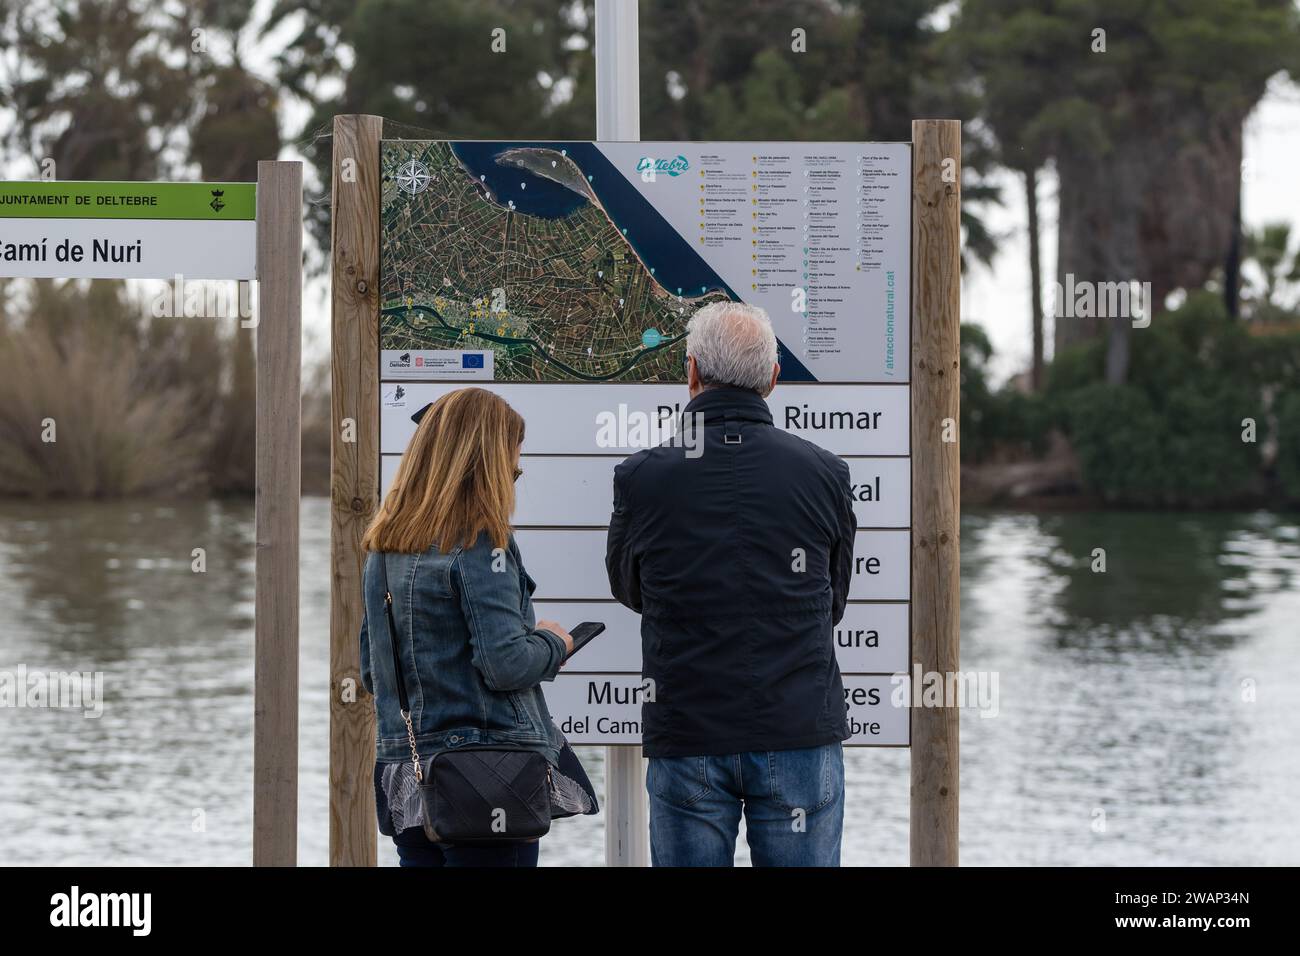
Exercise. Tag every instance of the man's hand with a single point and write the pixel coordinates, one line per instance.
(559, 632)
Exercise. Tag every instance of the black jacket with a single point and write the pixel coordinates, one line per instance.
(739, 561)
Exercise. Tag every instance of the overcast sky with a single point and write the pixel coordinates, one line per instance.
(999, 299)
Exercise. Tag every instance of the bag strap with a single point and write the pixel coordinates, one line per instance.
(402, 701)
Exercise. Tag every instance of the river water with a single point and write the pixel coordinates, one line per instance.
(1146, 714)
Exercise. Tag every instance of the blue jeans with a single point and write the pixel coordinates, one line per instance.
(415, 849)
(793, 801)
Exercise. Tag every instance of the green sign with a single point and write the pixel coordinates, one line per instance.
(212, 202)
(84, 230)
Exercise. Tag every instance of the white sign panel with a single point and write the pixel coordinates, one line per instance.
(606, 709)
(579, 491)
(818, 234)
(580, 419)
(583, 261)
(562, 276)
(123, 230)
(569, 564)
(872, 638)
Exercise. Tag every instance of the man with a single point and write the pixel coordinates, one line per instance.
(735, 544)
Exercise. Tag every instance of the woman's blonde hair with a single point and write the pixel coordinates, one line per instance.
(456, 480)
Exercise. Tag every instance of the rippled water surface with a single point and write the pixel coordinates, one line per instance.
(1146, 714)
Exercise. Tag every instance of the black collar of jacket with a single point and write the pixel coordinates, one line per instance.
(726, 400)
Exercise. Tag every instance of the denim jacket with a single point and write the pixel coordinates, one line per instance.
(472, 655)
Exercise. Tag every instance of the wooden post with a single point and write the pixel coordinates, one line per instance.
(278, 490)
(936, 479)
(354, 477)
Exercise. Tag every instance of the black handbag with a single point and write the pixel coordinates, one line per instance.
(474, 796)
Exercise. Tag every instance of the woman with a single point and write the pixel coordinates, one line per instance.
(472, 657)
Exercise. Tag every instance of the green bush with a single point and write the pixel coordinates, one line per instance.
(1022, 420)
(993, 421)
(1186, 452)
(1116, 435)
(1205, 458)
(1173, 435)
(1288, 445)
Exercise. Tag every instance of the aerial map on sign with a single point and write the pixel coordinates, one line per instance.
(577, 261)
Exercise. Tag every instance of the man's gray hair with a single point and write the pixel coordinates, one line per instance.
(732, 344)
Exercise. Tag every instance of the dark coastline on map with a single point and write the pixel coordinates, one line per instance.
(678, 267)
(676, 264)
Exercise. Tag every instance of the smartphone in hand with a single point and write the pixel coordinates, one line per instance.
(583, 634)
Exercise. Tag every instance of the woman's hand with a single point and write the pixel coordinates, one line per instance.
(559, 632)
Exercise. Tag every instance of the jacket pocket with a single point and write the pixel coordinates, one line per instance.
(431, 573)
(519, 709)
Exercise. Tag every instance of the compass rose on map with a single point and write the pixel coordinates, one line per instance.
(413, 177)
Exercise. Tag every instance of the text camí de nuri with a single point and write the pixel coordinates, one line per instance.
(68, 251)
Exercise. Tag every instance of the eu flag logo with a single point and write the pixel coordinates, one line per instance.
(471, 361)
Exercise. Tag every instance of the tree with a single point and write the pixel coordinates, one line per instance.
(1138, 109)
(805, 70)
(456, 69)
(96, 86)
(1008, 105)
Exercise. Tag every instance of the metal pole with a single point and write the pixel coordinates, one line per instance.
(618, 87)
(618, 117)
